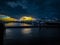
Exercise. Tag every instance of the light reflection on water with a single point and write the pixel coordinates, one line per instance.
(28, 33)
(15, 33)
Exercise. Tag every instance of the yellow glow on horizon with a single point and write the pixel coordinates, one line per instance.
(23, 24)
(8, 19)
(9, 24)
(26, 18)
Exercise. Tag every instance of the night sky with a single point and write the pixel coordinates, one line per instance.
(35, 8)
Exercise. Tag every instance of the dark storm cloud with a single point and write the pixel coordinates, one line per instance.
(40, 8)
(6, 9)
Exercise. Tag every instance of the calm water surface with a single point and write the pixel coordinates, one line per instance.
(24, 35)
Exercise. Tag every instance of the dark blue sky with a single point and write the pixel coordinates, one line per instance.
(35, 8)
